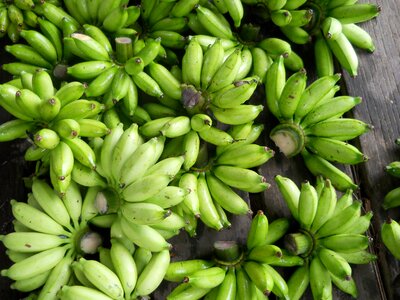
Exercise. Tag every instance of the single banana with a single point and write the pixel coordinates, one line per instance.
(192, 62)
(35, 264)
(68, 292)
(342, 221)
(260, 276)
(225, 196)
(320, 280)
(308, 205)
(206, 278)
(153, 273)
(274, 83)
(291, 94)
(50, 202)
(390, 235)
(177, 270)
(144, 236)
(326, 206)
(241, 178)
(28, 242)
(298, 282)
(335, 150)
(35, 219)
(208, 212)
(124, 265)
(335, 264)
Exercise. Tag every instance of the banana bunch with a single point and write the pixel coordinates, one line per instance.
(311, 122)
(113, 16)
(390, 231)
(43, 50)
(337, 33)
(131, 187)
(168, 21)
(237, 272)
(120, 274)
(15, 16)
(53, 120)
(291, 16)
(50, 233)
(331, 236)
(117, 73)
(216, 170)
(209, 23)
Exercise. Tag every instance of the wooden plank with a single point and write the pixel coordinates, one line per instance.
(378, 85)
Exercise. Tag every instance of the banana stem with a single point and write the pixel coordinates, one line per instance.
(298, 243)
(124, 51)
(227, 251)
(289, 138)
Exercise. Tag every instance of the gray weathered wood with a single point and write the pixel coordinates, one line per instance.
(378, 83)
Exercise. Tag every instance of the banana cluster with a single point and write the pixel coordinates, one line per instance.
(338, 34)
(333, 25)
(311, 122)
(215, 173)
(112, 16)
(54, 120)
(120, 274)
(44, 50)
(331, 236)
(132, 187)
(18, 15)
(390, 231)
(237, 272)
(50, 233)
(209, 23)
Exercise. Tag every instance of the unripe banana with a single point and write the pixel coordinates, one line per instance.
(70, 92)
(392, 199)
(28, 242)
(124, 265)
(81, 292)
(319, 166)
(208, 212)
(355, 13)
(240, 92)
(358, 37)
(226, 73)
(346, 242)
(358, 257)
(274, 83)
(192, 62)
(167, 82)
(35, 264)
(215, 24)
(298, 282)
(225, 196)
(275, 47)
(308, 205)
(88, 70)
(237, 115)
(30, 284)
(200, 122)
(212, 61)
(58, 277)
(144, 236)
(260, 276)
(342, 221)
(335, 150)
(178, 270)
(320, 281)
(82, 152)
(345, 53)
(15, 129)
(323, 57)
(206, 278)
(152, 275)
(241, 178)
(335, 264)
(390, 235)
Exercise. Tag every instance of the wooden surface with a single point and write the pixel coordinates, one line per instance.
(378, 83)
